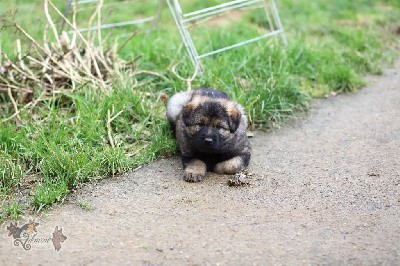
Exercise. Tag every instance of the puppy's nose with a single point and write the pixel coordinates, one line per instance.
(208, 141)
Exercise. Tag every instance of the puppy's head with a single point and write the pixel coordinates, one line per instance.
(211, 124)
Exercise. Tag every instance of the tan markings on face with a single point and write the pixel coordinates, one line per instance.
(226, 133)
(219, 123)
(197, 100)
(189, 107)
(193, 104)
(203, 120)
(232, 110)
(191, 130)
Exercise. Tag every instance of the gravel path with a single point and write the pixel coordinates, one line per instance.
(325, 190)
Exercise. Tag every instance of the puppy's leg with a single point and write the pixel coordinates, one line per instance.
(233, 165)
(195, 170)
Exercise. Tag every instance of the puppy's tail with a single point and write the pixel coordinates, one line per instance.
(175, 105)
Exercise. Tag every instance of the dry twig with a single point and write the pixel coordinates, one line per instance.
(187, 80)
(14, 105)
(109, 120)
(68, 63)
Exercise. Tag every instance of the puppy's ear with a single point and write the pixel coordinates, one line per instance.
(187, 111)
(234, 118)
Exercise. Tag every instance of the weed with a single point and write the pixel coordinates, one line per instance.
(12, 211)
(84, 205)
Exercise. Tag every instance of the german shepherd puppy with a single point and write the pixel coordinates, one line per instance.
(211, 132)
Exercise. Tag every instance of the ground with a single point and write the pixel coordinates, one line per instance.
(325, 189)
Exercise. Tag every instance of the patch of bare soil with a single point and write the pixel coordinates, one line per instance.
(224, 19)
(323, 190)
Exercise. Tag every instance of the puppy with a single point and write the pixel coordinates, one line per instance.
(210, 130)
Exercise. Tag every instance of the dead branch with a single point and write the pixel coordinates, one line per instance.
(68, 63)
(14, 105)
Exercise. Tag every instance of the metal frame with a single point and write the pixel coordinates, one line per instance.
(113, 25)
(181, 19)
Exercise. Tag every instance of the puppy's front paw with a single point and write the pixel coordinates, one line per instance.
(195, 171)
(192, 177)
(231, 166)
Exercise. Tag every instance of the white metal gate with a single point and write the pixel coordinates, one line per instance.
(182, 20)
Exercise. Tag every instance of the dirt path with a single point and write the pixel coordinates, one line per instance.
(325, 190)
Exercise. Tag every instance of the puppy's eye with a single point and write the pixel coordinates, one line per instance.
(220, 127)
(196, 127)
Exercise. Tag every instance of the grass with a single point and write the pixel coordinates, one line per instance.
(64, 143)
(12, 210)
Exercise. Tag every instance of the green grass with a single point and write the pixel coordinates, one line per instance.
(64, 141)
(12, 210)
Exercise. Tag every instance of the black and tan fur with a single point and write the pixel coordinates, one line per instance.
(211, 132)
